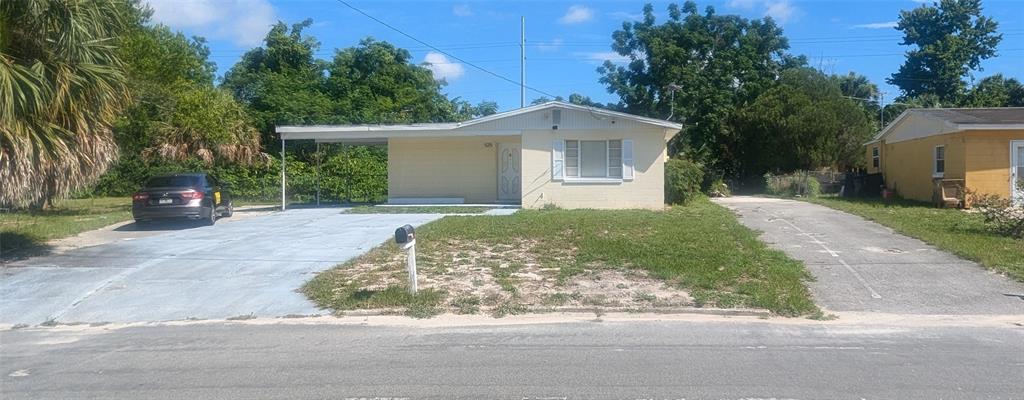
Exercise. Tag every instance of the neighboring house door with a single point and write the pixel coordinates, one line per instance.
(509, 167)
(1017, 171)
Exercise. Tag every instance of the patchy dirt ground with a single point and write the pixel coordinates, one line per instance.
(511, 278)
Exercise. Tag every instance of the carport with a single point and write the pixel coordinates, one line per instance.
(321, 135)
(445, 133)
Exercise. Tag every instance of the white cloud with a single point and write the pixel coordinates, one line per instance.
(577, 14)
(878, 25)
(743, 4)
(781, 11)
(600, 57)
(625, 16)
(462, 10)
(244, 22)
(443, 69)
(552, 45)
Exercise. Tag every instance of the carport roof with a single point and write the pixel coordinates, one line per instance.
(379, 133)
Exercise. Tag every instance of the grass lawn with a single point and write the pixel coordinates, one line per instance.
(24, 229)
(959, 232)
(697, 253)
(418, 210)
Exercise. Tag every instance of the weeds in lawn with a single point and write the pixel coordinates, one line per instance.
(26, 229)
(417, 210)
(466, 304)
(634, 259)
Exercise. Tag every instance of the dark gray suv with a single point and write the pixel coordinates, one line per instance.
(195, 196)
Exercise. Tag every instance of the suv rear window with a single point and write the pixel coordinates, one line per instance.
(173, 181)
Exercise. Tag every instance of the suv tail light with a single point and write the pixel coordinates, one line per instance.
(140, 196)
(193, 195)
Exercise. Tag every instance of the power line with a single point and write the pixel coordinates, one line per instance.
(485, 70)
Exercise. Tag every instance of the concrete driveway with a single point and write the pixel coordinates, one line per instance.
(863, 266)
(236, 267)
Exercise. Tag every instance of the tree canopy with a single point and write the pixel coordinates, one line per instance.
(714, 64)
(950, 39)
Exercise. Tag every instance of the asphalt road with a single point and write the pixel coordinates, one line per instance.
(860, 265)
(234, 268)
(733, 359)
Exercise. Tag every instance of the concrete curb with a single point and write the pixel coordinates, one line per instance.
(725, 312)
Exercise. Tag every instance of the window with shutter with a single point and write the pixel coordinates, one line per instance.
(597, 159)
(627, 159)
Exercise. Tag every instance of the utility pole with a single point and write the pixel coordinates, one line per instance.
(881, 110)
(522, 61)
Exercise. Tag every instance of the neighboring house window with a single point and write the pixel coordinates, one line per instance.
(940, 161)
(593, 159)
(875, 159)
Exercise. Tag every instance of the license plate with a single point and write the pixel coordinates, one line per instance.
(165, 201)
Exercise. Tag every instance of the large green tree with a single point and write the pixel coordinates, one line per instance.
(62, 84)
(862, 91)
(283, 82)
(713, 63)
(803, 122)
(178, 120)
(996, 91)
(950, 39)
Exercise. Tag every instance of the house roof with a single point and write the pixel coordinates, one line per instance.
(969, 116)
(337, 132)
(960, 119)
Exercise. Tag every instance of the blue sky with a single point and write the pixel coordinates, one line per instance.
(566, 41)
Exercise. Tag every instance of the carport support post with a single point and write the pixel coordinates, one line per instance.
(318, 155)
(284, 176)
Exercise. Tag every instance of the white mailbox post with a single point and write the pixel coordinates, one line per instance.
(405, 236)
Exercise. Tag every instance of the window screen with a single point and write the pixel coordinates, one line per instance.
(593, 159)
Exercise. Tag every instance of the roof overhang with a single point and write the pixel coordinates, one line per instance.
(380, 133)
(948, 127)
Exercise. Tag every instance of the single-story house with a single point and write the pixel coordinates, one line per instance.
(978, 149)
(555, 153)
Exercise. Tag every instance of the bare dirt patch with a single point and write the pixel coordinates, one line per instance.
(512, 278)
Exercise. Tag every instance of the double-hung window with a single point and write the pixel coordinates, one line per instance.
(875, 157)
(940, 162)
(593, 159)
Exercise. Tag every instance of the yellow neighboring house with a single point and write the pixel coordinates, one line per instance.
(555, 153)
(980, 149)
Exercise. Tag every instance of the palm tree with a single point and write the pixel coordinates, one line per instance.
(61, 86)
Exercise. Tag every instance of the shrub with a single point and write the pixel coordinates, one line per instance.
(718, 188)
(358, 174)
(799, 183)
(1001, 216)
(682, 180)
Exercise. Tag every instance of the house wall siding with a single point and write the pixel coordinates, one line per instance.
(646, 190)
(908, 165)
(463, 167)
(988, 160)
(574, 119)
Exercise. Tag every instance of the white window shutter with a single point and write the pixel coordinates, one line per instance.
(627, 159)
(558, 160)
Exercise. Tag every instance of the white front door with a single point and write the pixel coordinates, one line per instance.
(509, 166)
(1017, 171)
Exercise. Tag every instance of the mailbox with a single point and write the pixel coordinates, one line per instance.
(404, 234)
